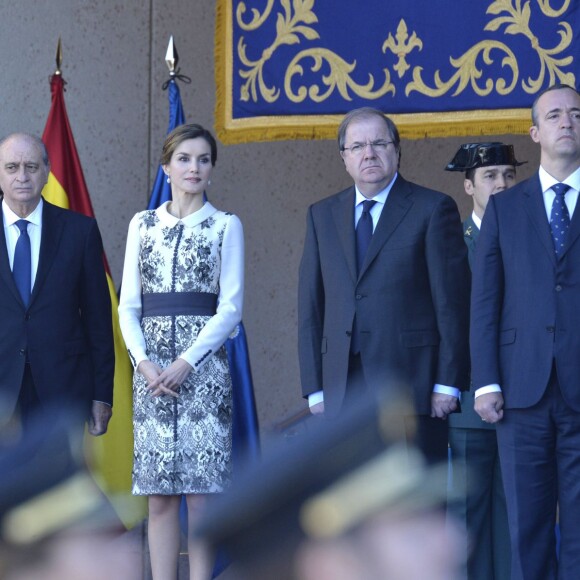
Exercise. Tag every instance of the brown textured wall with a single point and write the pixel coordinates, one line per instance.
(114, 54)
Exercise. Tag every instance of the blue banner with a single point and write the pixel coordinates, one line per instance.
(292, 68)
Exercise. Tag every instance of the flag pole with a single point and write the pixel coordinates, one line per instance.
(58, 57)
(109, 456)
(161, 192)
(171, 57)
(245, 431)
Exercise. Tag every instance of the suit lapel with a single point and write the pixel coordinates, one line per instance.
(343, 215)
(396, 207)
(574, 230)
(5, 271)
(536, 210)
(52, 226)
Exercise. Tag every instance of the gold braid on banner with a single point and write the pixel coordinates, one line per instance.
(551, 12)
(517, 21)
(288, 28)
(467, 71)
(257, 20)
(338, 78)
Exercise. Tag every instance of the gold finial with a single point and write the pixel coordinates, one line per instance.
(58, 57)
(171, 58)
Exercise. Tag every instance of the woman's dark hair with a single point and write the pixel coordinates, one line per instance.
(183, 133)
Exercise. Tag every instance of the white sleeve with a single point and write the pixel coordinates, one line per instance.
(130, 305)
(230, 299)
(446, 390)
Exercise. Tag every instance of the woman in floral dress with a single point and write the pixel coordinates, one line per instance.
(181, 298)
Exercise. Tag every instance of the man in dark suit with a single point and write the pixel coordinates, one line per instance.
(525, 342)
(56, 341)
(398, 313)
(489, 168)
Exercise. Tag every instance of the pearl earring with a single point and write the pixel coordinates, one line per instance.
(168, 179)
(209, 181)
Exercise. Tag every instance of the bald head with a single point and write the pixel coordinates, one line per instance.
(24, 170)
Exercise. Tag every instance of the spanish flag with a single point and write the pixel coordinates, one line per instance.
(111, 455)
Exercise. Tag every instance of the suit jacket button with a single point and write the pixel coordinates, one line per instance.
(22, 352)
(348, 333)
(550, 329)
(558, 288)
(358, 296)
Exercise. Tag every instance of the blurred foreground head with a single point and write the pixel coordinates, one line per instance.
(54, 520)
(351, 488)
(384, 521)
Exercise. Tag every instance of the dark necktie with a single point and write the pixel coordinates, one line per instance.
(364, 233)
(559, 218)
(22, 267)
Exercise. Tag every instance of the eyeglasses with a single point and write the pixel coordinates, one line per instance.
(378, 146)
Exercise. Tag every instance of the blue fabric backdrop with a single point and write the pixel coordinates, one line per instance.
(287, 61)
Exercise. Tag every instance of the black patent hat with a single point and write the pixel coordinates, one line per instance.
(474, 155)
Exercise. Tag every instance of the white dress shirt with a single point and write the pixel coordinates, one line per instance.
(12, 233)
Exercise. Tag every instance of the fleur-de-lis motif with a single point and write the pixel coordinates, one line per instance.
(331, 75)
(402, 47)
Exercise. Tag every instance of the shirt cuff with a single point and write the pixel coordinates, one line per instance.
(494, 388)
(315, 398)
(445, 390)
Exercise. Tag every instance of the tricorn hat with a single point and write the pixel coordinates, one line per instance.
(474, 155)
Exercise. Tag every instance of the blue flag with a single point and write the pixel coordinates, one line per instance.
(245, 432)
(161, 191)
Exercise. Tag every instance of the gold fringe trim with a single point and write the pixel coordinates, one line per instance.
(416, 126)
(223, 67)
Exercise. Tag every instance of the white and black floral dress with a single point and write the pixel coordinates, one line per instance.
(182, 296)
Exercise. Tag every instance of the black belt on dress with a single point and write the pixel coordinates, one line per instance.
(178, 304)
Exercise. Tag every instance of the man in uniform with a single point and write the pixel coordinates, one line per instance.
(489, 168)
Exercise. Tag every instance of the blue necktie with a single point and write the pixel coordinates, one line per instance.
(559, 218)
(364, 233)
(22, 267)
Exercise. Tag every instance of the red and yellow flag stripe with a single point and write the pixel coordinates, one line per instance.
(111, 455)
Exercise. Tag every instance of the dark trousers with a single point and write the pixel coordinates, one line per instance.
(427, 433)
(540, 459)
(28, 402)
(481, 511)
